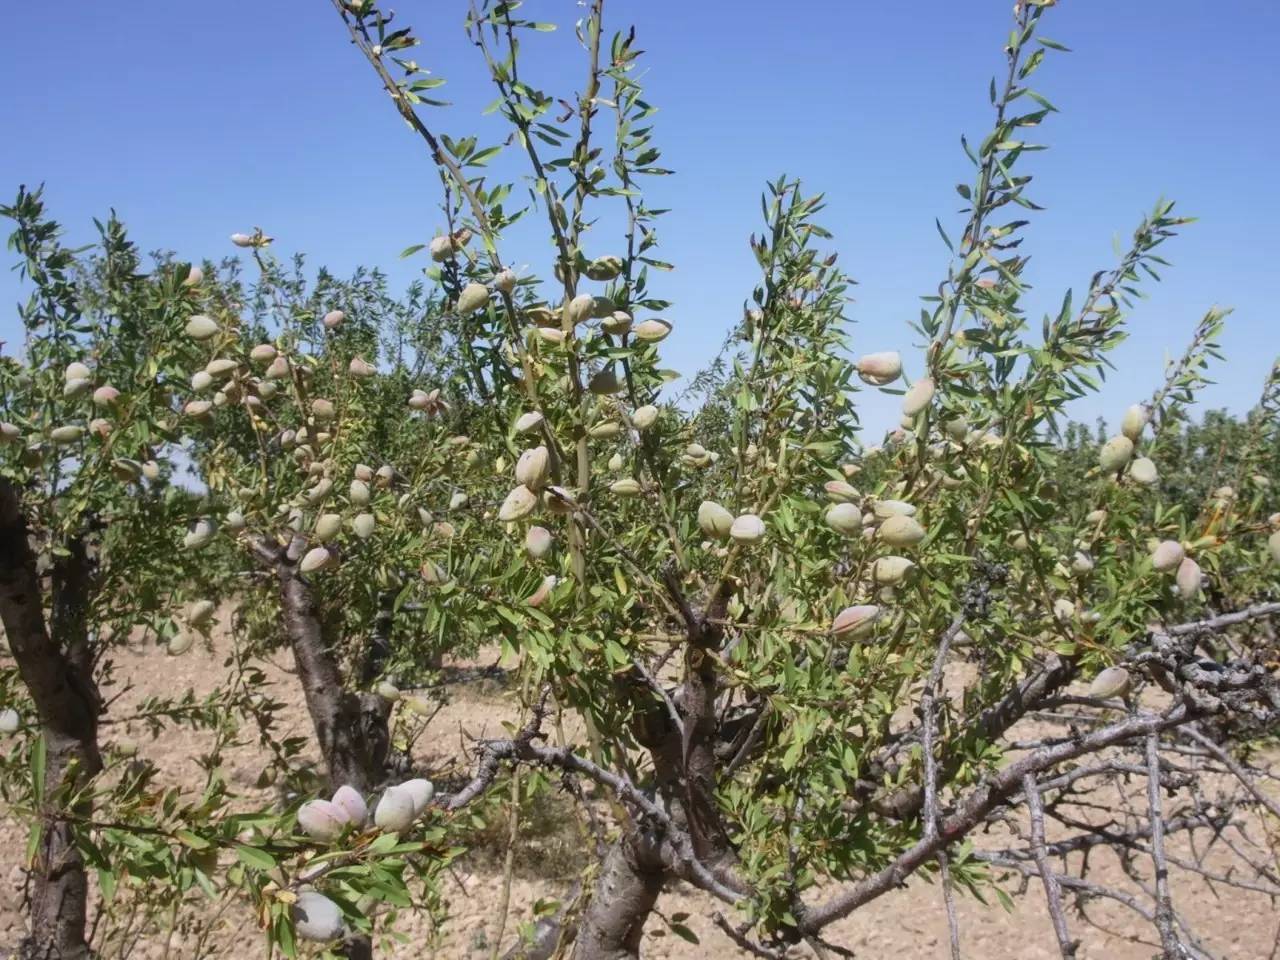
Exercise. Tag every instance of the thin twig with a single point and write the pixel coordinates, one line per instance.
(1052, 892)
(1164, 907)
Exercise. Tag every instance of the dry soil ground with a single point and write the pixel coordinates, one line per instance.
(908, 923)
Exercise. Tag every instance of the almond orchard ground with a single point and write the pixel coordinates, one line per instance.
(908, 923)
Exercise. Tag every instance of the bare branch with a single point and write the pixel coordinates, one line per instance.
(1052, 892)
(1164, 908)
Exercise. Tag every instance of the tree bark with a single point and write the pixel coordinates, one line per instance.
(351, 728)
(57, 671)
(631, 879)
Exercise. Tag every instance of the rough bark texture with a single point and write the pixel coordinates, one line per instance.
(351, 727)
(630, 880)
(57, 671)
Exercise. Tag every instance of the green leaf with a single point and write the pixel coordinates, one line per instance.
(255, 858)
(684, 933)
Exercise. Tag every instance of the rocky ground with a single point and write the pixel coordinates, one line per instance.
(908, 923)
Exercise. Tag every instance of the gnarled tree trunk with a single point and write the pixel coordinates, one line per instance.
(630, 881)
(57, 671)
(351, 728)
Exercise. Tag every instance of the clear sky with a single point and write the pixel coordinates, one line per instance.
(194, 120)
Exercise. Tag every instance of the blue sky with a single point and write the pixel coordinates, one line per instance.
(194, 120)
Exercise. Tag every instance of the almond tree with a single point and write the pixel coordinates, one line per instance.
(741, 602)
(85, 516)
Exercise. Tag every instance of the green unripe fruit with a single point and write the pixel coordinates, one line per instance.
(605, 430)
(328, 526)
(1167, 555)
(528, 422)
(605, 382)
(201, 613)
(321, 820)
(1188, 578)
(317, 559)
(855, 621)
(1134, 422)
(844, 518)
(73, 388)
(519, 503)
(1110, 683)
(394, 811)
(1143, 471)
(603, 309)
(66, 435)
(747, 528)
(1273, 546)
(387, 691)
(420, 791)
(320, 492)
(879, 369)
(126, 470)
(651, 331)
(580, 308)
(957, 428)
(432, 573)
(221, 366)
(473, 297)
(1115, 454)
(180, 644)
(643, 417)
(537, 542)
(315, 917)
(504, 281)
(714, 520)
(884, 509)
(539, 596)
(441, 248)
(918, 397)
(364, 525)
(901, 531)
(626, 487)
(890, 571)
(841, 492)
(618, 323)
(200, 534)
(533, 469)
(201, 327)
(604, 268)
(76, 371)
